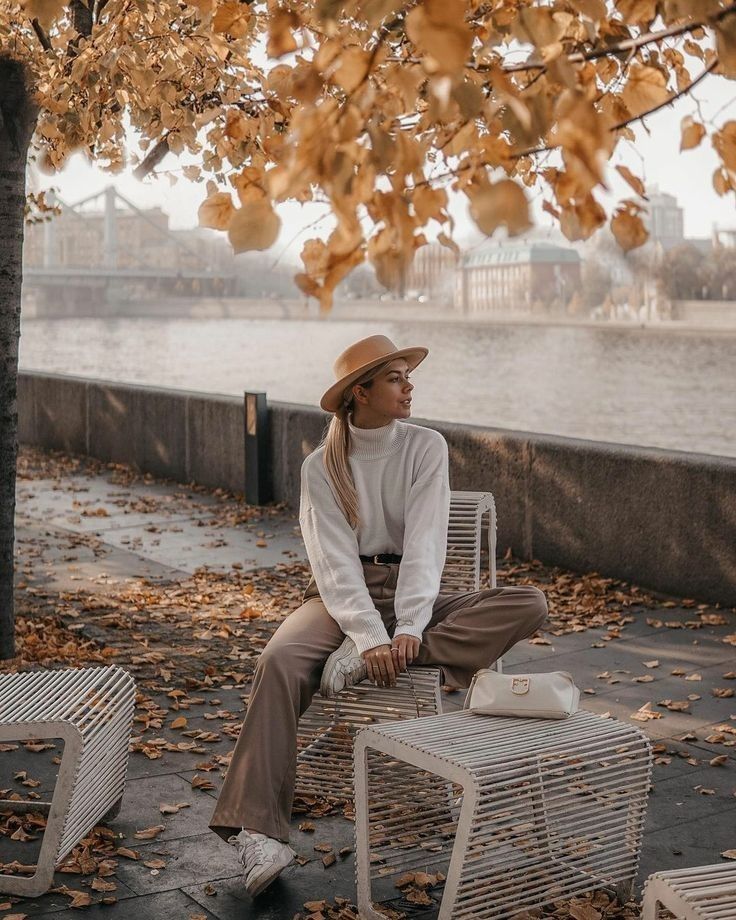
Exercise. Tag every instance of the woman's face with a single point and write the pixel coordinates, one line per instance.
(390, 393)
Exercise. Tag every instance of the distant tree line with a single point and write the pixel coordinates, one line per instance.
(687, 273)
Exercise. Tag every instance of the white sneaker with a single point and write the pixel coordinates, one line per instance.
(343, 668)
(263, 859)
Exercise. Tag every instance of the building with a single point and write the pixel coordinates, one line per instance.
(432, 273)
(532, 276)
(663, 219)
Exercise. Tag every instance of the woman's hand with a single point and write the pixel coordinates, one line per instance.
(407, 648)
(382, 669)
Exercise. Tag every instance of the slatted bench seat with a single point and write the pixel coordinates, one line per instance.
(327, 729)
(91, 710)
(702, 893)
(517, 813)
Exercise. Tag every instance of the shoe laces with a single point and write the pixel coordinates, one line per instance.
(252, 850)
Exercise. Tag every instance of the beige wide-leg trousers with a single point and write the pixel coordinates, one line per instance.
(468, 631)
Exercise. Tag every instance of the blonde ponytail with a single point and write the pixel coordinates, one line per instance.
(336, 442)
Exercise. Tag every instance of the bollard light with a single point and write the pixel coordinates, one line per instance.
(257, 453)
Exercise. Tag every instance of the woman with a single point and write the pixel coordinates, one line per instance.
(374, 510)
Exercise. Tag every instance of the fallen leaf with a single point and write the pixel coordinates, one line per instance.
(645, 713)
(150, 833)
(172, 809)
(99, 884)
(675, 705)
(201, 782)
(129, 854)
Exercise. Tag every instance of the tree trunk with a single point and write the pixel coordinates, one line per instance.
(17, 121)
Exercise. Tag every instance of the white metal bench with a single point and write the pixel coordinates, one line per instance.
(91, 710)
(707, 892)
(547, 809)
(327, 729)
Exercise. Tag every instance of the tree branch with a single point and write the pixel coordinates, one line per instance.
(629, 44)
(152, 159)
(683, 92)
(81, 16)
(42, 36)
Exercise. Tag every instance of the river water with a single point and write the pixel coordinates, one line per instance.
(633, 386)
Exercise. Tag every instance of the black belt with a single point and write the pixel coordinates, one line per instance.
(381, 558)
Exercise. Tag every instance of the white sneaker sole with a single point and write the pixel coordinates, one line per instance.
(263, 879)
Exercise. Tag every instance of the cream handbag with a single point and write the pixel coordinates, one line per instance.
(551, 695)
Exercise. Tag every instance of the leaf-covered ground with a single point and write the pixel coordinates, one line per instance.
(187, 637)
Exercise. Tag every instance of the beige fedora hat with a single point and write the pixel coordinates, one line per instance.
(361, 357)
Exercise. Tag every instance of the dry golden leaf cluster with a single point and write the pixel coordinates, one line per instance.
(375, 108)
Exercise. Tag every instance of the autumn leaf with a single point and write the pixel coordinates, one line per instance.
(691, 133)
(99, 884)
(645, 89)
(150, 833)
(634, 181)
(503, 203)
(439, 31)
(232, 17)
(645, 713)
(628, 229)
(216, 211)
(46, 11)
(201, 782)
(129, 854)
(254, 226)
(724, 142)
(726, 45)
(448, 243)
(80, 899)
(352, 68)
(281, 39)
(166, 809)
(581, 219)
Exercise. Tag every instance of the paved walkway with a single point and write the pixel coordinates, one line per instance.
(170, 579)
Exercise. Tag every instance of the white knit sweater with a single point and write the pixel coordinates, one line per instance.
(402, 480)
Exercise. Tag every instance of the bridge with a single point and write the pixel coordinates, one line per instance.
(57, 287)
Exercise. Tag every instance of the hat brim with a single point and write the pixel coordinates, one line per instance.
(330, 401)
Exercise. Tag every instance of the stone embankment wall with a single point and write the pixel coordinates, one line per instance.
(663, 519)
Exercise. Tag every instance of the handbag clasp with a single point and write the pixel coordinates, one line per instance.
(520, 685)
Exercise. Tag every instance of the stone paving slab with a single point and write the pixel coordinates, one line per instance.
(166, 905)
(67, 550)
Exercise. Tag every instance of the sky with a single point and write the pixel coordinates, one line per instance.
(654, 157)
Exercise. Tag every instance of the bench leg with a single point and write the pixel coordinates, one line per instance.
(649, 908)
(624, 891)
(113, 811)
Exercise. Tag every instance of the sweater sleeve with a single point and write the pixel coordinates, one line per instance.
(334, 556)
(426, 520)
